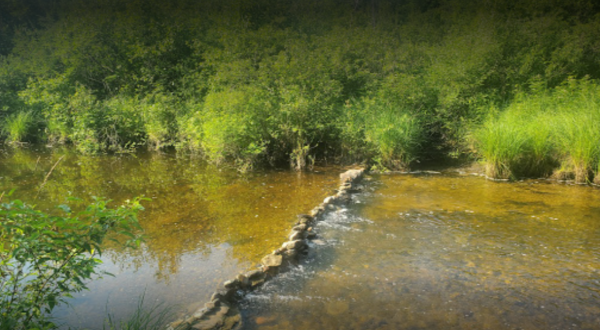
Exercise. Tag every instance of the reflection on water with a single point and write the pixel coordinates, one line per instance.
(203, 224)
(447, 252)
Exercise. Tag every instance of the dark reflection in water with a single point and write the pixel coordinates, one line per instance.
(446, 252)
(203, 224)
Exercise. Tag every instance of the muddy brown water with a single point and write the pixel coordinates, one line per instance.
(446, 252)
(203, 224)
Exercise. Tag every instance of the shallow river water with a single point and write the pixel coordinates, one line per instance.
(203, 225)
(411, 252)
(446, 252)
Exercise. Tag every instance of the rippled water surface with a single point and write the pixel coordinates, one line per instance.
(203, 224)
(446, 252)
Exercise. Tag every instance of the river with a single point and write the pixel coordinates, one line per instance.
(202, 224)
(412, 251)
(448, 251)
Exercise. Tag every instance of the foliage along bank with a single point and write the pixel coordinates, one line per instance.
(272, 82)
(46, 258)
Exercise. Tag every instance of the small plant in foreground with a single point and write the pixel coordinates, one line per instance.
(45, 258)
(153, 318)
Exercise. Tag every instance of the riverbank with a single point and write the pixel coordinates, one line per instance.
(254, 84)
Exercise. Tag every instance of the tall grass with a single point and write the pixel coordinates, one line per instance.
(152, 318)
(394, 136)
(552, 130)
(578, 141)
(18, 126)
(501, 143)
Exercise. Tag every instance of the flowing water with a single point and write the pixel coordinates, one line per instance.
(446, 252)
(411, 252)
(203, 225)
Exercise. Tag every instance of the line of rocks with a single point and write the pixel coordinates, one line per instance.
(221, 312)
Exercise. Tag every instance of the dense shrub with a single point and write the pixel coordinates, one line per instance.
(251, 82)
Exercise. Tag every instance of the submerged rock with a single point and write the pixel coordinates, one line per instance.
(337, 307)
(219, 317)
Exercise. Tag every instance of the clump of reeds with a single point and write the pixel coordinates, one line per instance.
(18, 126)
(154, 317)
(549, 131)
(515, 143)
(394, 137)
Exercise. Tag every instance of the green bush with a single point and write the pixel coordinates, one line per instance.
(45, 258)
(50, 98)
(107, 78)
(230, 127)
(119, 124)
(160, 113)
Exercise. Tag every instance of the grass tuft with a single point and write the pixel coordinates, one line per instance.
(153, 318)
(18, 126)
(551, 131)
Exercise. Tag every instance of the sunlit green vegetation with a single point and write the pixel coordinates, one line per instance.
(547, 131)
(45, 258)
(269, 82)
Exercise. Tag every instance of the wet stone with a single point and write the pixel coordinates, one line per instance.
(216, 296)
(243, 280)
(200, 312)
(257, 283)
(296, 235)
(300, 227)
(291, 253)
(212, 304)
(293, 244)
(316, 212)
(351, 175)
(231, 284)
(305, 218)
(233, 322)
(255, 274)
(319, 242)
(272, 260)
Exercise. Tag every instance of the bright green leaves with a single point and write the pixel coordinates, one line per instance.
(549, 130)
(45, 258)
